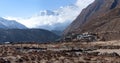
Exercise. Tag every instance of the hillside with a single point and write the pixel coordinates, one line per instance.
(95, 10)
(26, 35)
(101, 17)
(107, 25)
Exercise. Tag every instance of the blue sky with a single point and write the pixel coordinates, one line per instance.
(28, 12)
(26, 8)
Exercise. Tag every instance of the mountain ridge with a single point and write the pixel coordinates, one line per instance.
(27, 35)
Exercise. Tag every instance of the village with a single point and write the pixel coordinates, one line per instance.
(83, 37)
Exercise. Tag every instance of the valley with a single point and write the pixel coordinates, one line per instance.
(50, 37)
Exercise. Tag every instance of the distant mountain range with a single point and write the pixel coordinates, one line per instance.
(10, 24)
(12, 31)
(27, 35)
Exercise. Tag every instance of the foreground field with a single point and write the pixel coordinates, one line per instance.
(67, 52)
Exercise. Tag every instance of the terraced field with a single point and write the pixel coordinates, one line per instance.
(67, 52)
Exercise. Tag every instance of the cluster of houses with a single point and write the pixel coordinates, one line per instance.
(84, 37)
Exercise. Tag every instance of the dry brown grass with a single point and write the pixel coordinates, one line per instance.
(94, 52)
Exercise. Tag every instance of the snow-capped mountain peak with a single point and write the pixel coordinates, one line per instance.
(10, 24)
(46, 13)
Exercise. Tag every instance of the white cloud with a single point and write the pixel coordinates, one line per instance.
(83, 3)
(51, 19)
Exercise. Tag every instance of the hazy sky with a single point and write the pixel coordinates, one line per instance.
(28, 12)
(26, 8)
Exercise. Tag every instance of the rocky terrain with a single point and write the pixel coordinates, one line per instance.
(67, 52)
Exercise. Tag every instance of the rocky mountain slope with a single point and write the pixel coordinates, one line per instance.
(101, 17)
(107, 22)
(26, 35)
(106, 26)
(94, 11)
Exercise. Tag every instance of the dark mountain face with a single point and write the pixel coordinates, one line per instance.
(94, 11)
(114, 4)
(27, 35)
